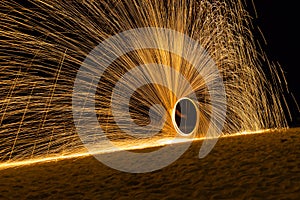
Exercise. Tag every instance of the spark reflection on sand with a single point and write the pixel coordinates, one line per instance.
(83, 153)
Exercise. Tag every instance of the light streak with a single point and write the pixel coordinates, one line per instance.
(83, 153)
(44, 42)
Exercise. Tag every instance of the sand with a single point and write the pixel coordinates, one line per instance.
(258, 166)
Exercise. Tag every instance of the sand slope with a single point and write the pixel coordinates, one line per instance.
(260, 166)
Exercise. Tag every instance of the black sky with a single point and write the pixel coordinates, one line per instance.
(279, 21)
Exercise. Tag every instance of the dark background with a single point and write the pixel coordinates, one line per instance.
(279, 22)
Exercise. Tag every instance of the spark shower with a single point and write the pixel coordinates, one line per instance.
(44, 44)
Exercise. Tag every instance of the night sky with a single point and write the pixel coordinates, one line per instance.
(279, 21)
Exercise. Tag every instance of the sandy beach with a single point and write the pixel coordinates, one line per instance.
(257, 166)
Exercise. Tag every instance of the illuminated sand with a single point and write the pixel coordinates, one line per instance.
(257, 166)
(139, 145)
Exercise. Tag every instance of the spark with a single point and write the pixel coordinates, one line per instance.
(83, 153)
(44, 42)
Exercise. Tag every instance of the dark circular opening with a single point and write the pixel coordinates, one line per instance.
(185, 116)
